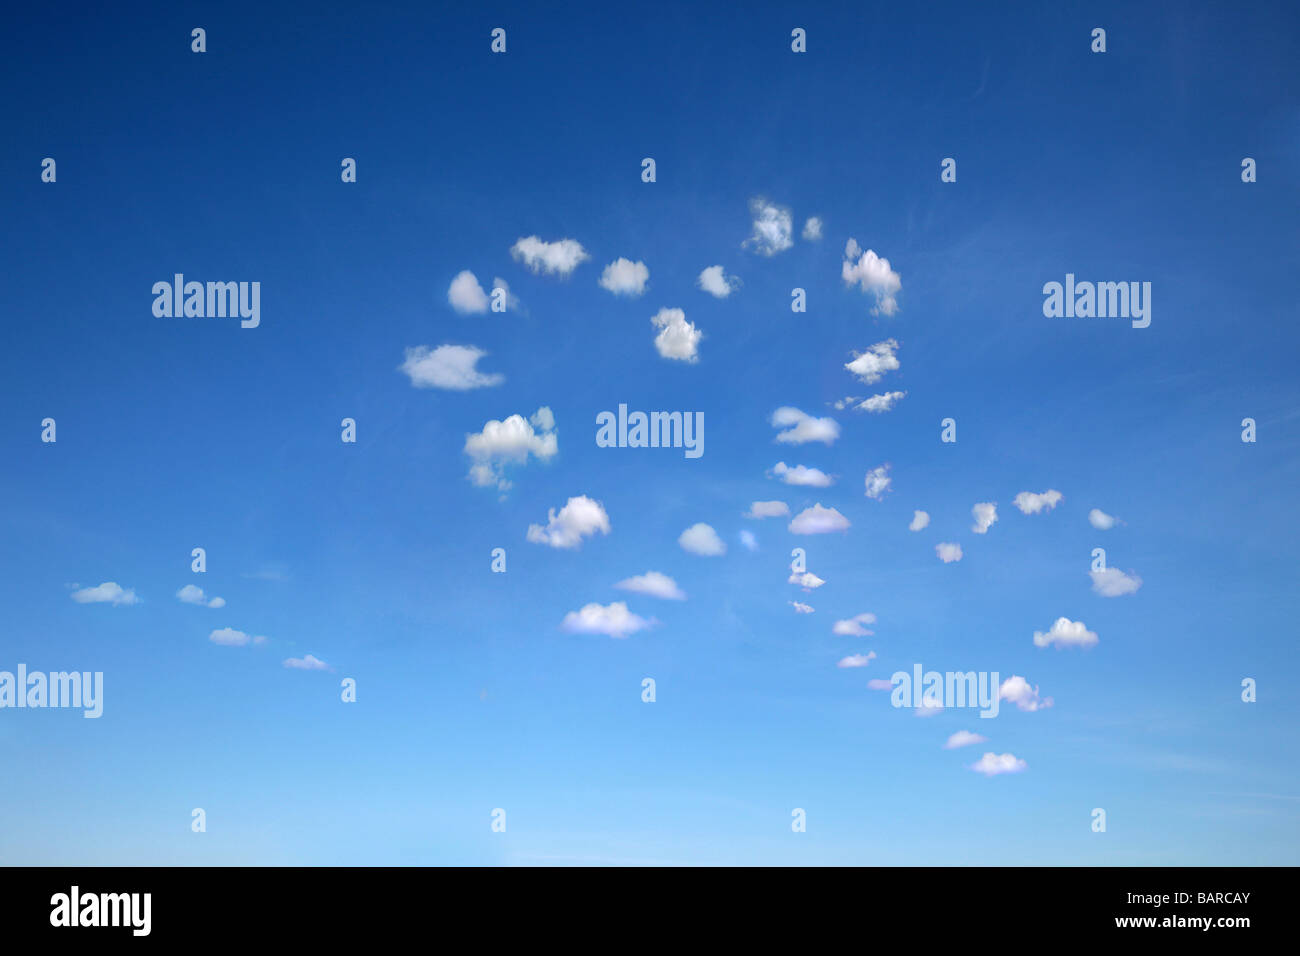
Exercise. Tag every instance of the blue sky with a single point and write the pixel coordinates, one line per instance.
(374, 557)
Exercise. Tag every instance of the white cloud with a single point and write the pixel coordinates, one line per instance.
(1017, 690)
(985, 513)
(806, 580)
(1031, 503)
(880, 683)
(581, 517)
(654, 584)
(717, 283)
(1066, 633)
(110, 592)
(992, 764)
(801, 475)
(800, 427)
(677, 338)
(625, 277)
(929, 707)
(191, 594)
(857, 660)
(466, 295)
(701, 539)
(448, 366)
(1112, 582)
(1100, 520)
(854, 626)
(614, 620)
(773, 227)
(767, 509)
(877, 482)
(920, 520)
(553, 258)
(748, 540)
(229, 637)
(840, 404)
(882, 402)
(801, 608)
(812, 228)
(963, 738)
(870, 365)
(307, 663)
(948, 552)
(874, 275)
(818, 520)
(510, 442)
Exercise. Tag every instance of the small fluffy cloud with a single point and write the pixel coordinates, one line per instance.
(625, 277)
(654, 584)
(801, 608)
(110, 592)
(581, 517)
(307, 663)
(510, 442)
(948, 552)
(920, 520)
(614, 620)
(229, 637)
(985, 513)
(871, 365)
(963, 738)
(857, 660)
(812, 228)
(879, 683)
(466, 295)
(773, 228)
(806, 580)
(854, 626)
(767, 509)
(452, 367)
(701, 539)
(1066, 633)
(748, 540)
(883, 402)
(1112, 582)
(877, 482)
(800, 427)
(873, 275)
(191, 594)
(1100, 520)
(677, 338)
(1017, 690)
(717, 283)
(802, 475)
(992, 764)
(818, 520)
(1031, 503)
(552, 258)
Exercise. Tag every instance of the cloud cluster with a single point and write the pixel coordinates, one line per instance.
(818, 520)
(985, 513)
(873, 275)
(855, 626)
(773, 228)
(581, 517)
(767, 509)
(677, 338)
(552, 258)
(802, 475)
(800, 427)
(192, 594)
(613, 620)
(452, 367)
(1017, 690)
(871, 365)
(510, 442)
(110, 592)
(654, 584)
(1065, 633)
(992, 764)
(1031, 503)
(1112, 582)
(717, 283)
(625, 277)
(701, 539)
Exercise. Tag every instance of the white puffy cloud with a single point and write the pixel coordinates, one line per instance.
(773, 227)
(510, 442)
(110, 592)
(802, 475)
(654, 584)
(553, 258)
(614, 620)
(883, 402)
(677, 338)
(717, 283)
(1031, 503)
(806, 580)
(870, 365)
(801, 608)
(1066, 633)
(1112, 582)
(701, 539)
(625, 277)
(818, 520)
(857, 660)
(466, 295)
(1017, 690)
(992, 764)
(963, 738)
(877, 482)
(855, 626)
(948, 552)
(581, 517)
(191, 594)
(1100, 520)
(985, 513)
(920, 519)
(873, 275)
(307, 663)
(812, 228)
(800, 427)
(229, 637)
(448, 366)
(767, 509)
